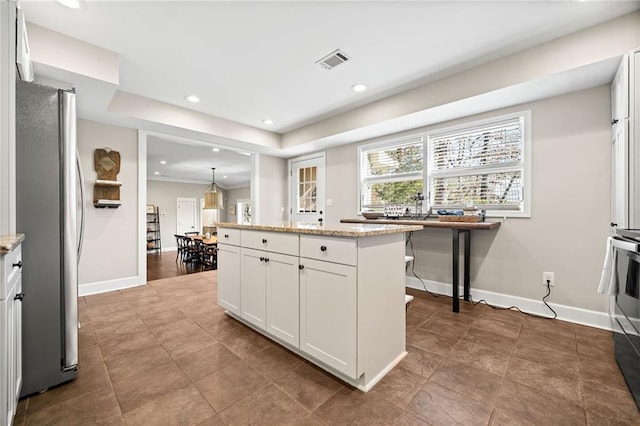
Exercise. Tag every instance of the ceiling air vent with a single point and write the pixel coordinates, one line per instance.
(333, 59)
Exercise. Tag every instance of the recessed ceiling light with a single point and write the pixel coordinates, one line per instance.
(245, 153)
(163, 162)
(224, 177)
(192, 98)
(215, 149)
(359, 87)
(268, 121)
(72, 4)
(156, 173)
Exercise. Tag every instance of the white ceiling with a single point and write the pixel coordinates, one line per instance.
(191, 162)
(251, 60)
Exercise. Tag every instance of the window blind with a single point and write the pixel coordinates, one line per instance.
(481, 166)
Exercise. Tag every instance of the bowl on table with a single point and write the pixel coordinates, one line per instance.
(372, 215)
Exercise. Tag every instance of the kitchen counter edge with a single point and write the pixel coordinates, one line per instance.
(333, 230)
(427, 223)
(9, 242)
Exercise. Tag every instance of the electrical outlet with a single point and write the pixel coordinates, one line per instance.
(549, 276)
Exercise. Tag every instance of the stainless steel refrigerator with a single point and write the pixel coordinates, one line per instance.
(47, 213)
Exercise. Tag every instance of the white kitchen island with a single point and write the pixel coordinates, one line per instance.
(332, 293)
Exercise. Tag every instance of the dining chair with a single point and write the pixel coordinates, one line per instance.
(180, 245)
(210, 256)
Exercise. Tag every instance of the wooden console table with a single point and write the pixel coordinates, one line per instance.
(457, 229)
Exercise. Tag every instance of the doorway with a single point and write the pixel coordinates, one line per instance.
(307, 188)
(186, 215)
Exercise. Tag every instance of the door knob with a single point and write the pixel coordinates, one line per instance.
(301, 267)
(614, 121)
(19, 296)
(19, 264)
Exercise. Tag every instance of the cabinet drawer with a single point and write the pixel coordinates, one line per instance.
(9, 273)
(278, 242)
(330, 249)
(229, 236)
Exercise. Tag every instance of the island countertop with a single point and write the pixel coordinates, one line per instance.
(328, 229)
(9, 242)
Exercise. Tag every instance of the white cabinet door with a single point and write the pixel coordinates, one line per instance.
(328, 314)
(17, 343)
(5, 374)
(229, 277)
(283, 297)
(620, 93)
(620, 175)
(253, 288)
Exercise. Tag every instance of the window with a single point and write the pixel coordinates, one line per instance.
(391, 173)
(484, 164)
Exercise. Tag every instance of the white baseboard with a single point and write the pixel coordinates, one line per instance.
(110, 285)
(532, 306)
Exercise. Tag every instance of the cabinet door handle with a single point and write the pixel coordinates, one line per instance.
(261, 259)
(264, 241)
(266, 259)
(226, 235)
(301, 267)
(323, 248)
(19, 264)
(19, 296)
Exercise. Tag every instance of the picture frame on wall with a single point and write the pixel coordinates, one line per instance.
(232, 209)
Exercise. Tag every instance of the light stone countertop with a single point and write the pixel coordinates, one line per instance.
(328, 229)
(9, 242)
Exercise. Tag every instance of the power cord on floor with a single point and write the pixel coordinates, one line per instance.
(515, 308)
(409, 243)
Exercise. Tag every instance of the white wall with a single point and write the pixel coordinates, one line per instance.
(269, 200)
(570, 208)
(233, 195)
(165, 195)
(111, 235)
(7, 118)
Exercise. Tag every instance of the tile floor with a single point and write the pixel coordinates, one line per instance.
(165, 354)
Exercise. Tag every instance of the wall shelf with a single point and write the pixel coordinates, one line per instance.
(106, 189)
(154, 242)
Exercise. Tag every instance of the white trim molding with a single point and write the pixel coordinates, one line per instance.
(565, 313)
(142, 207)
(109, 285)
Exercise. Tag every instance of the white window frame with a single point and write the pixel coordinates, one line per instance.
(389, 143)
(524, 211)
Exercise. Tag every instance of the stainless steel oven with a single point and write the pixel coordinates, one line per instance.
(626, 309)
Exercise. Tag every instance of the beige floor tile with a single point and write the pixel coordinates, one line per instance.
(446, 327)
(184, 406)
(92, 375)
(610, 402)
(604, 373)
(142, 388)
(124, 344)
(206, 361)
(245, 342)
(487, 355)
(520, 404)
(420, 361)
(501, 326)
(268, 406)
(414, 319)
(351, 406)
(558, 327)
(476, 384)
(274, 362)
(554, 379)
(438, 405)
(166, 316)
(136, 362)
(550, 339)
(309, 385)
(182, 338)
(399, 386)
(432, 342)
(229, 385)
(96, 407)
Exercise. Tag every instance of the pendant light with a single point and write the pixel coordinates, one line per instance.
(213, 196)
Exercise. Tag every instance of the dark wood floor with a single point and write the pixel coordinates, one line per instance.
(164, 265)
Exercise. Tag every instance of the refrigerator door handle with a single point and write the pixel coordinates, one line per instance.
(82, 204)
(70, 240)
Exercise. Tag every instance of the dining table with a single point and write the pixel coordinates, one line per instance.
(211, 241)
